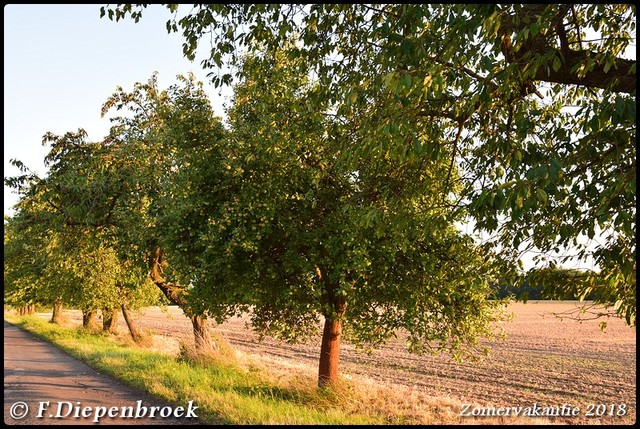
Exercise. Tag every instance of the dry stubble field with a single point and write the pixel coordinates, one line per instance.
(544, 361)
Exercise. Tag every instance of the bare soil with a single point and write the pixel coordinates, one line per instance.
(545, 360)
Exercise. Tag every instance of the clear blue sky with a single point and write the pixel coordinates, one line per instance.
(62, 62)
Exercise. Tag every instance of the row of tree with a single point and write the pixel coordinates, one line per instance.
(52, 264)
(358, 138)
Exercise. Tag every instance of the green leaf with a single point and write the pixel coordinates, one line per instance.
(389, 79)
(405, 82)
(535, 28)
(395, 38)
(555, 169)
(542, 195)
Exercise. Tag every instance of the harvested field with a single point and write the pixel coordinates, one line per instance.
(544, 361)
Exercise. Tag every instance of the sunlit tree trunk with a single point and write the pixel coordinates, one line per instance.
(89, 319)
(56, 315)
(176, 295)
(133, 329)
(25, 310)
(329, 352)
(201, 334)
(332, 332)
(110, 320)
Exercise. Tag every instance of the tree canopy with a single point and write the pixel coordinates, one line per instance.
(52, 260)
(306, 230)
(535, 104)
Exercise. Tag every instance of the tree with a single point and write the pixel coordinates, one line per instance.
(22, 274)
(33, 271)
(535, 104)
(166, 129)
(119, 190)
(297, 230)
(114, 193)
(70, 259)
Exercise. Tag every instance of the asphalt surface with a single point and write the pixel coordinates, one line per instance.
(43, 385)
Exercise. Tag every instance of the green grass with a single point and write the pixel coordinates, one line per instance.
(225, 392)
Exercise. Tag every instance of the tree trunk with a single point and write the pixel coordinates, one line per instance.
(26, 310)
(110, 320)
(133, 329)
(89, 319)
(56, 315)
(177, 295)
(201, 334)
(330, 349)
(329, 352)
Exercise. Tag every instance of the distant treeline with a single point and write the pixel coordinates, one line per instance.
(537, 286)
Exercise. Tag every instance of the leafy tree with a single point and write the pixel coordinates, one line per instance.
(115, 194)
(23, 271)
(69, 259)
(117, 191)
(535, 104)
(151, 146)
(48, 267)
(34, 274)
(297, 230)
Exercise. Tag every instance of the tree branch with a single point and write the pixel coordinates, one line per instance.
(173, 292)
(617, 78)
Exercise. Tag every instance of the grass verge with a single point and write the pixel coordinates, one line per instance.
(225, 392)
(231, 392)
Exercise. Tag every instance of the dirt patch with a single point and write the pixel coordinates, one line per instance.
(544, 362)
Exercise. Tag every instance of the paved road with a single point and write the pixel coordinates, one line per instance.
(36, 372)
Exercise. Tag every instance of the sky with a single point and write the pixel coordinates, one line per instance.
(62, 62)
